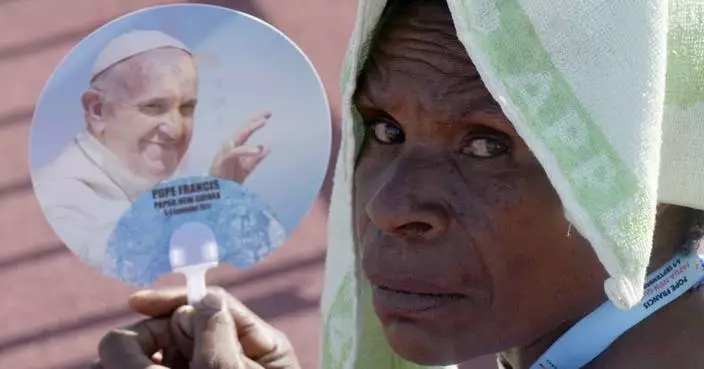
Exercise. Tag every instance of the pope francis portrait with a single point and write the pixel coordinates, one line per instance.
(139, 118)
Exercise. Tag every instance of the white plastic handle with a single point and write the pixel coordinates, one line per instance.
(193, 251)
(195, 283)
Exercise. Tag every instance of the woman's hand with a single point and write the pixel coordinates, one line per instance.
(218, 333)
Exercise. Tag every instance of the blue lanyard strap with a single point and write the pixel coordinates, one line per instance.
(593, 334)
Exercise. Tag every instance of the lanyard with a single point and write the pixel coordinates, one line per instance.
(593, 334)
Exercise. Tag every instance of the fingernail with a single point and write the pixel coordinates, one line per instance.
(142, 293)
(212, 301)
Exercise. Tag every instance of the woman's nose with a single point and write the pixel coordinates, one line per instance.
(412, 212)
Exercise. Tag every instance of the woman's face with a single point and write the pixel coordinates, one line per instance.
(461, 233)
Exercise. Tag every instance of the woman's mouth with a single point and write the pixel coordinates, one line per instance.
(399, 302)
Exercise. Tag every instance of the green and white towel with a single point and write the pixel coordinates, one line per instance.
(609, 95)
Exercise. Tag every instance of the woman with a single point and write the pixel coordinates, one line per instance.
(460, 233)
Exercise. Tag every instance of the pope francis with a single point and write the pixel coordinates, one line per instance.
(139, 116)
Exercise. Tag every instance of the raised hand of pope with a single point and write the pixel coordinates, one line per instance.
(236, 160)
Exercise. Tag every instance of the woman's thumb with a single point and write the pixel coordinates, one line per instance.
(215, 343)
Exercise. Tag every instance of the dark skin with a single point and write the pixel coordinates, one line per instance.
(445, 185)
(461, 233)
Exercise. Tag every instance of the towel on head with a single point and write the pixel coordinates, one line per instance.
(609, 95)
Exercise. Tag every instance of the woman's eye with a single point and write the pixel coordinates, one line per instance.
(485, 147)
(387, 133)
